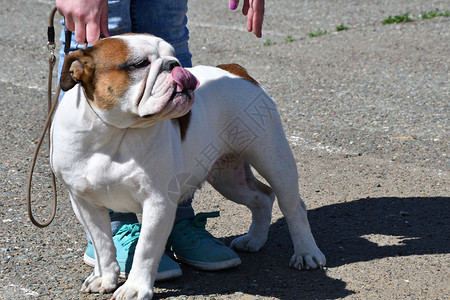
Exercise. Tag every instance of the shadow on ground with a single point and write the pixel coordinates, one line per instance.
(418, 225)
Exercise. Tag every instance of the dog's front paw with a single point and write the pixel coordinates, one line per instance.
(311, 259)
(248, 242)
(99, 284)
(131, 291)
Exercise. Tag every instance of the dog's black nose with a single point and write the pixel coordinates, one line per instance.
(168, 65)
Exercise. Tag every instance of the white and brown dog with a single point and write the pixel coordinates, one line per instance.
(128, 136)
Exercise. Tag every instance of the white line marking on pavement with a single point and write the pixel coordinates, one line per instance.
(299, 141)
(30, 87)
(26, 291)
(228, 28)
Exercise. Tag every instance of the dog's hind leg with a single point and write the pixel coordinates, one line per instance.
(277, 165)
(96, 222)
(236, 182)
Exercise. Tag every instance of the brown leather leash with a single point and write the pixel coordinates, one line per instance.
(46, 131)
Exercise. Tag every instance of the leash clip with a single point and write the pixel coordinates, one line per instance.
(51, 50)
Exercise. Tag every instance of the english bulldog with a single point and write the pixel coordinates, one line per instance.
(135, 132)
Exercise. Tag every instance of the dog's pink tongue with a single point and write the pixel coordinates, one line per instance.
(184, 79)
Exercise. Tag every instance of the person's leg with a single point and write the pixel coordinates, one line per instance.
(185, 211)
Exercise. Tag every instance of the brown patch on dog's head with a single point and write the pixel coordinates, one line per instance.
(238, 71)
(98, 70)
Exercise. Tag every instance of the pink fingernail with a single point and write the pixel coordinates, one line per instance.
(233, 5)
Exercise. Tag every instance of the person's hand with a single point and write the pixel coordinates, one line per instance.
(254, 10)
(87, 18)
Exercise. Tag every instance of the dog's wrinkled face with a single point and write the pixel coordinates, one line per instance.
(131, 80)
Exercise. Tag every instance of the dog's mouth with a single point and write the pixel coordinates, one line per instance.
(183, 97)
(185, 84)
(184, 79)
(181, 94)
(186, 94)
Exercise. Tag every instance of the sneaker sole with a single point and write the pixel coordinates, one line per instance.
(161, 276)
(211, 266)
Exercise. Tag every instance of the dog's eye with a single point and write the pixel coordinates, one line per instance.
(141, 64)
(133, 66)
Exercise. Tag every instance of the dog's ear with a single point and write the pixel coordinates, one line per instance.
(77, 68)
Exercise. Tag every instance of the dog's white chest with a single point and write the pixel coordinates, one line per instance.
(121, 167)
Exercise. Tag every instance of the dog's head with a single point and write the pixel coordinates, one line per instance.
(131, 80)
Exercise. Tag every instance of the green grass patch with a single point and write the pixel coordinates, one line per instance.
(341, 27)
(434, 14)
(289, 39)
(397, 19)
(319, 32)
(268, 42)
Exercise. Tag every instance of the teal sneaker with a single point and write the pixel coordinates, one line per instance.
(192, 244)
(125, 241)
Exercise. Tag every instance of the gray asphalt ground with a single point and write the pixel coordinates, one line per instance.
(366, 112)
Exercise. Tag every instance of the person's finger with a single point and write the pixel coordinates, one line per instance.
(258, 17)
(104, 23)
(92, 32)
(250, 20)
(69, 24)
(233, 4)
(257, 25)
(245, 7)
(80, 32)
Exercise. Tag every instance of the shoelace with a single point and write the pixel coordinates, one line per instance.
(128, 234)
(196, 228)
